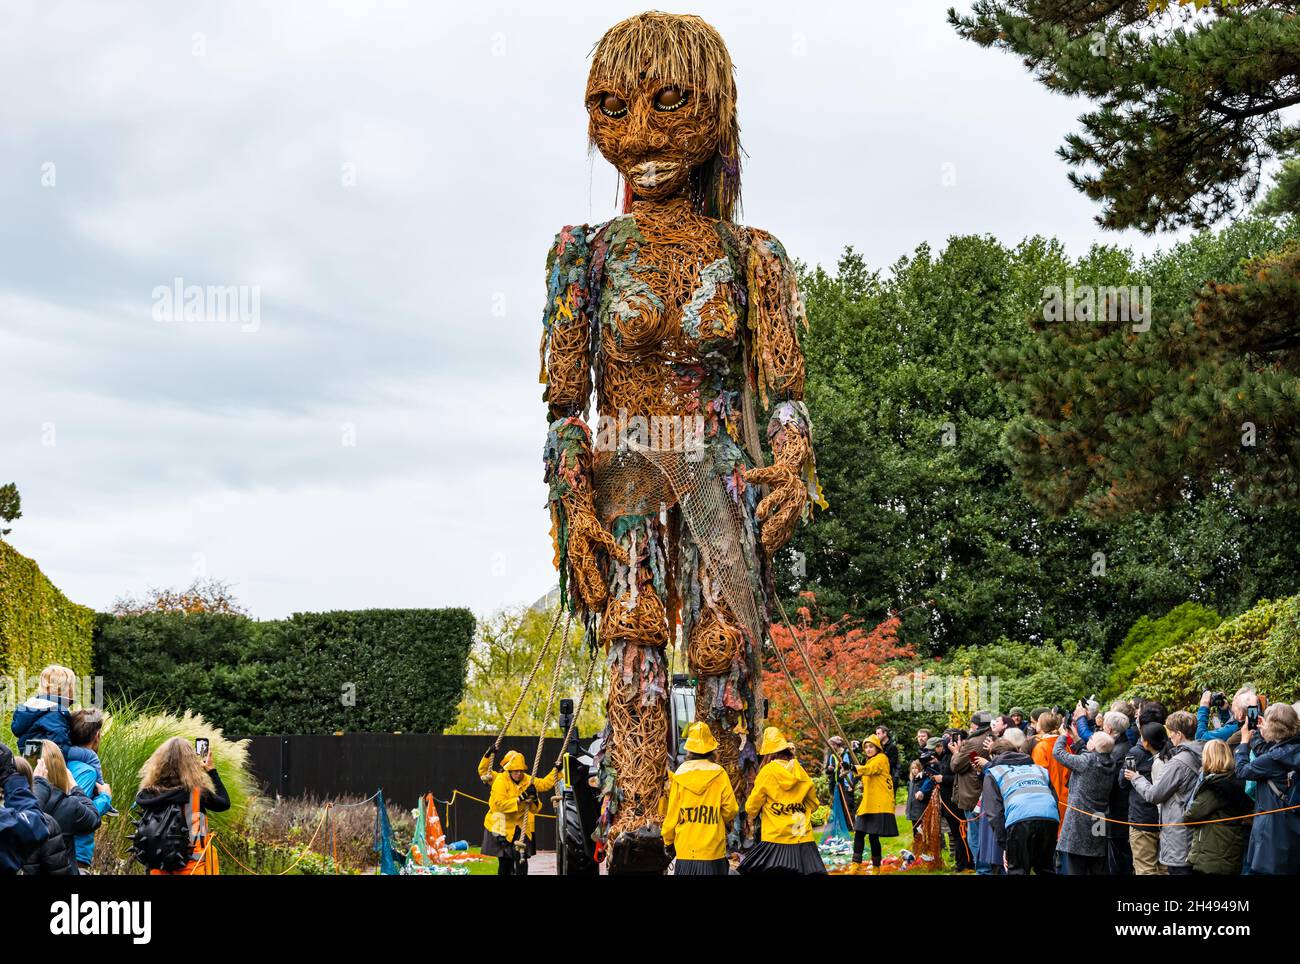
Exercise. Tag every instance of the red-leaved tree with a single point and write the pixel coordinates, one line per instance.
(851, 662)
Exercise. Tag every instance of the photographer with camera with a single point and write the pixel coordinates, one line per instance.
(1270, 756)
(1092, 774)
(1219, 703)
(1119, 856)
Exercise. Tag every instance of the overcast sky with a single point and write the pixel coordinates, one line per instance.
(387, 178)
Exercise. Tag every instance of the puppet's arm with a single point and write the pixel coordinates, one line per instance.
(776, 321)
(566, 371)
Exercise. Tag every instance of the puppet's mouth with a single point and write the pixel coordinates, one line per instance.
(649, 174)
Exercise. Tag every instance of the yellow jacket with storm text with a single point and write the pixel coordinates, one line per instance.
(784, 797)
(877, 786)
(506, 808)
(701, 804)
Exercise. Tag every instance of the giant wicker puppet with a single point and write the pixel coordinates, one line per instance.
(666, 511)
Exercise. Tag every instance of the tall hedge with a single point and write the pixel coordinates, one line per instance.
(372, 670)
(38, 624)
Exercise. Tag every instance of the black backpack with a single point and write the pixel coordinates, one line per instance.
(162, 838)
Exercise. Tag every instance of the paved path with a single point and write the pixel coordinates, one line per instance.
(542, 864)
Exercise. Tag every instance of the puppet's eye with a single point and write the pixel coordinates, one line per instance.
(671, 98)
(612, 105)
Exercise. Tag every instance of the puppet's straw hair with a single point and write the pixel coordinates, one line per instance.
(680, 49)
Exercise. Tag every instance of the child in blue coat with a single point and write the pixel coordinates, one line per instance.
(45, 717)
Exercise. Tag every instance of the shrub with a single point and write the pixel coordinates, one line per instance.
(1257, 646)
(38, 625)
(370, 670)
(1149, 636)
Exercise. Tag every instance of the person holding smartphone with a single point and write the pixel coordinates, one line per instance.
(176, 783)
(1270, 756)
(1144, 817)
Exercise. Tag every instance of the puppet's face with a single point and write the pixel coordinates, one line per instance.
(654, 134)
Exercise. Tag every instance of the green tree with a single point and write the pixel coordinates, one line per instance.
(1115, 417)
(505, 648)
(1189, 103)
(11, 505)
(908, 418)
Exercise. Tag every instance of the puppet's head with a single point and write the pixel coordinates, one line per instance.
(662, 100)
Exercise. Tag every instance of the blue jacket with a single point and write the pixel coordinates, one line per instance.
(43, 717)
(1016, 789)
(1203, 731)
(86, 778)
(22, 825)
(1274, 846)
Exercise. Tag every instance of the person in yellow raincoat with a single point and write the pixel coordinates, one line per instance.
(783, 801)
(875, 818)
(513, 805)
(701, 805)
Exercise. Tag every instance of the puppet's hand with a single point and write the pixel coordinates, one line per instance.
(782, 507)
(586, 535)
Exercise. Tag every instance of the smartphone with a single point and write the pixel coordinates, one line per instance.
(1130, 763)
(201, 745)
(1252, 716)
(32, 750)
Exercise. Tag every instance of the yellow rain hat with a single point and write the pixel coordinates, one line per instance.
(699, 739)
(514, 760)
(774, 741)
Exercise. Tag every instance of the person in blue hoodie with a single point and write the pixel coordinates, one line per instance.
(22, 824)
(1242, 698)
(85, 730)
(1270, 756)
(45, 717)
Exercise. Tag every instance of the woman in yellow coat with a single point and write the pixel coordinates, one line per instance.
(875, 818)
(701, 805)
(513, 804)
(783, 801)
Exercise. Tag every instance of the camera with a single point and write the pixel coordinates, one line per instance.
(1217, 700)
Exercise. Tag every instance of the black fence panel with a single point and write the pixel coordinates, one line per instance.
(404, 765)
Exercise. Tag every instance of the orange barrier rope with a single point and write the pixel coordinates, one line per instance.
(1193, 823)
(212, 840)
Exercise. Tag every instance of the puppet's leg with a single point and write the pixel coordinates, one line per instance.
(722, 660)
(634, 627)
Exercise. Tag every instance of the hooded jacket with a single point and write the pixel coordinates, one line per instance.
(508, 811)
(1274, 846)
(701, 804)
(53, 858)
(784, 797)
(1217, 848)
(877, 785)
(1173, 792)
(74, 811)
(43, 717)
(22, 824)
